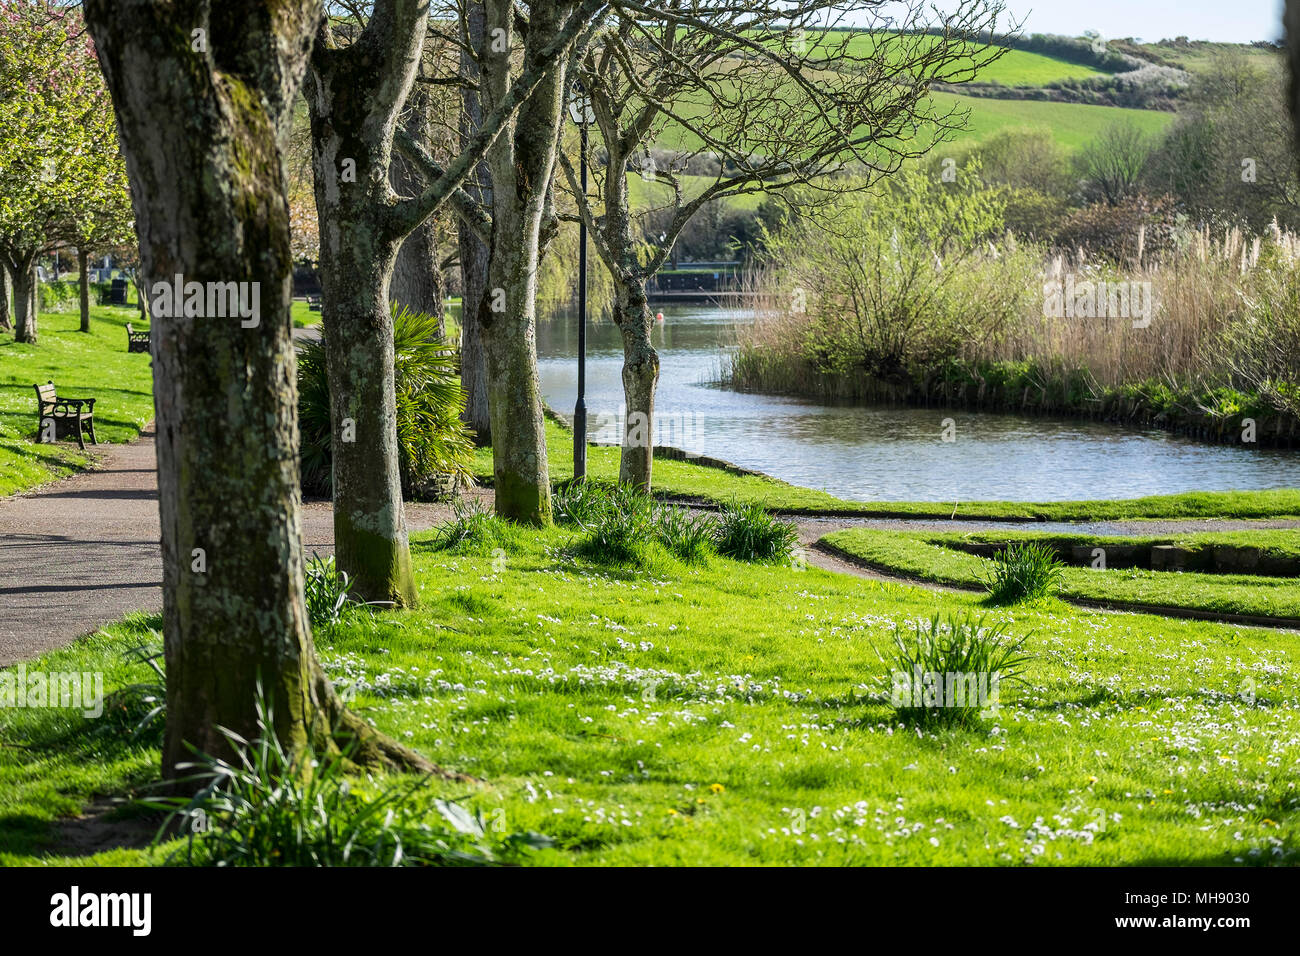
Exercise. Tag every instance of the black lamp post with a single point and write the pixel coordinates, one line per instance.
(580, 111)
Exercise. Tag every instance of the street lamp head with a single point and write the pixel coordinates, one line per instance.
(580, 105)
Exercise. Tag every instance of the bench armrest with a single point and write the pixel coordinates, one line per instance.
(75, 401)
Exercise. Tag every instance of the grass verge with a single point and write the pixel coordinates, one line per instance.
(938, 558)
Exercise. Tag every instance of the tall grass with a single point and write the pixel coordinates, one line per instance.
(1025, 572)
(961, 652)
(1223, 343)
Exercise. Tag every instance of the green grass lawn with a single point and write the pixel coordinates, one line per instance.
(302, 316)
(934, 557)
(94, 365)
(737, 714)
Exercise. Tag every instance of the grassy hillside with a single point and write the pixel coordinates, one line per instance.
(1013, 68)
(1201, 55)
(644, 195)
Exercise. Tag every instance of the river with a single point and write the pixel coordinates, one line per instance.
(866, 453)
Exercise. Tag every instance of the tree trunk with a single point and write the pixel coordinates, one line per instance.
(83, 273)
(521, 163)
(6, 324)
(204, 139)
(640, 377)
(417, 278)
(354, 98)
(521, 481)
(473, 360)
(1291, 33)
(25, 297)
(417, 275)
(473, 255)
(632, 316)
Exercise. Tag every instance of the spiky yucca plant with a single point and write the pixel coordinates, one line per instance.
(431, 438)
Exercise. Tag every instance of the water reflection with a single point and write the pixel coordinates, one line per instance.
(885, 454)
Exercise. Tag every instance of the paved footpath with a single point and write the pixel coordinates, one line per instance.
(82, 552)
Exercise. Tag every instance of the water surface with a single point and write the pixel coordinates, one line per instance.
(883, 454)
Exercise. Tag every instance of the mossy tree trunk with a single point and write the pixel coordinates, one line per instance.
(521, 164)
(640, 378)
(616, 244)
(203, 95)
(355, 94)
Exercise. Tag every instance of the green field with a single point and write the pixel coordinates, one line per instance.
(644, 195)
(1013, 68)
(1199, 56)
(1073, 125)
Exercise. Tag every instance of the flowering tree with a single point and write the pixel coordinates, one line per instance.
(62, 180)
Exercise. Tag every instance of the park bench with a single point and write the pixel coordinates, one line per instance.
(136, 341)
(53, 409)
(313, 303)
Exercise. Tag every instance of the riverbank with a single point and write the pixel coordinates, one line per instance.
(687, 481)
(1219, 415)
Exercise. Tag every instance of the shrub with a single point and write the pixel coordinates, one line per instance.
(749, 533)
(1112, 231)
(955, 653)
(893, 280)
(1024, 572)
(59, 296)
(263, 808)
(431, 438)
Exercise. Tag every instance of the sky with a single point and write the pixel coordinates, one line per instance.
(1235, 21)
